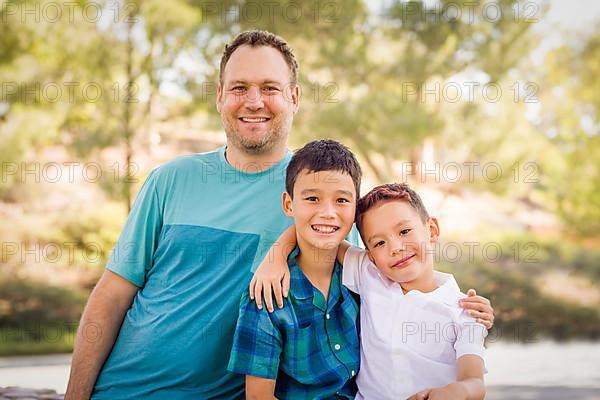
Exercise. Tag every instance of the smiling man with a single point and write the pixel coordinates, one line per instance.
(167, 303)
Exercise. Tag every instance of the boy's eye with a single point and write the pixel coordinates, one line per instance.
(342, 200)
(405, 231)
(380, 243)
(311, 198)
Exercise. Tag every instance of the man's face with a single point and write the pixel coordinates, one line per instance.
(323, 208)
(256, 99)
(398, 241)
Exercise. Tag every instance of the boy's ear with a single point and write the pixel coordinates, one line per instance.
(370, 256)
(286, 204)
(434, 229)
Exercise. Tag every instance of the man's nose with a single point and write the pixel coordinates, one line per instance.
(253, 99)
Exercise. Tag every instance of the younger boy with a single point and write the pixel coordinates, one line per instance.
(310, 348)
(416, 342)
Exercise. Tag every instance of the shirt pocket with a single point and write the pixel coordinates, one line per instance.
(298, 351)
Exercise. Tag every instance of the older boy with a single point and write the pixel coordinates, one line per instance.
(310, 348)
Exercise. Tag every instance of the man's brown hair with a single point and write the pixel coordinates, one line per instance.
(257, 38)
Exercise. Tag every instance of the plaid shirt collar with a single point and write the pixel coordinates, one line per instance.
(302, 290)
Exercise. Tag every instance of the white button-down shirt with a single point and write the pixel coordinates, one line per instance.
(409, 342)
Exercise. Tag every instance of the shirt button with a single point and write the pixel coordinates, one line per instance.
(337, 347)
(327, 315)
(353, 373)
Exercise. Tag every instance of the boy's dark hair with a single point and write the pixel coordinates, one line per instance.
(257, 38)
(323, 155)
(390, 192)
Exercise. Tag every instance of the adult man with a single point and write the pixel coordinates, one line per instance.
(199, 226)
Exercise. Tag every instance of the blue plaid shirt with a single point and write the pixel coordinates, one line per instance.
(310, 346)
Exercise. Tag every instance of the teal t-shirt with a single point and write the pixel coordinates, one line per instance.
(198, 229)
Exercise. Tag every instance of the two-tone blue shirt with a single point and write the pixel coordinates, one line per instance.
(197, 230)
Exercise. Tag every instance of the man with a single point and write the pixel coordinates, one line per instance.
(166, 306)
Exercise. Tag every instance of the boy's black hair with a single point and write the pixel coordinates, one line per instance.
(323, 155)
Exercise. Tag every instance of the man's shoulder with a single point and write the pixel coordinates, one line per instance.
(187, 161)
(181, 166)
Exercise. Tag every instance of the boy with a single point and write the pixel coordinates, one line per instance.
(415, 339)
(310, 348)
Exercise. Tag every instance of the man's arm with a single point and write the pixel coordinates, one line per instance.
(259, 388)
(105, 310)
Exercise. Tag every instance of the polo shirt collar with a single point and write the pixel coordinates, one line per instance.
(447, 291)
(302, 289)
(300, 286)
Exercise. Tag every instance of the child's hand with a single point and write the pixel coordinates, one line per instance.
(450, 392)
(479, 308)
(272, 275)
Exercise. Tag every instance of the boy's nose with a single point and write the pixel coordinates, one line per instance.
(327, 210)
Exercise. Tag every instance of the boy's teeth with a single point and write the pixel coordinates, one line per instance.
(324, 229)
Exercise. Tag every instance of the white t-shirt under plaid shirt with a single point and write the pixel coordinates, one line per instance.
(409, 342)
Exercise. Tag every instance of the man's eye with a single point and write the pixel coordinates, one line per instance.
(270, 89)
(238, 89)
(342, 200)
(404, 232)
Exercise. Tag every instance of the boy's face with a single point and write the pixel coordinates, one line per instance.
(323, 208)
(398, 242)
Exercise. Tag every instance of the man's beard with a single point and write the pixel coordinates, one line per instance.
(255, 146)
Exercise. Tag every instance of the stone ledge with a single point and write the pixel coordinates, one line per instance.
(18, 393)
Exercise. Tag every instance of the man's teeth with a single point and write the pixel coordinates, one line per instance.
(245, 119)
(325, 228)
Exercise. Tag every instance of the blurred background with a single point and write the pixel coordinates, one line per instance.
(491, 109)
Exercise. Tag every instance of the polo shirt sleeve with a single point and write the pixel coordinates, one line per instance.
(355, 263)
(132, 255)
(470, 336)
(257, 343)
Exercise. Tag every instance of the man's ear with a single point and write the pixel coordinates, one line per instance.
(286, 204)
(295, 92)
(219, 97)
(434, 229)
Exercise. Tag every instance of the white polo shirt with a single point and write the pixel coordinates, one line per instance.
(409, 342)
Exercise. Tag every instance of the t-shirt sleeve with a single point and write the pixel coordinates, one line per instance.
(133, 253)
(470, 336)
(354, 237)
(355, 262)
(257, 343)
